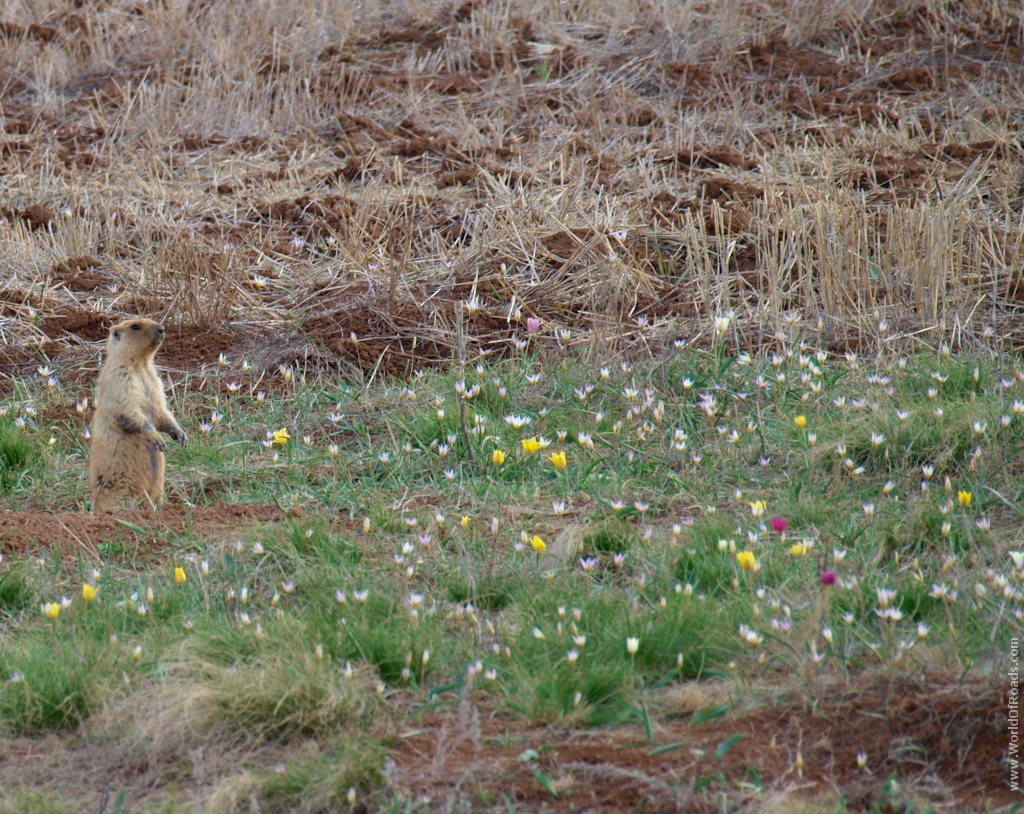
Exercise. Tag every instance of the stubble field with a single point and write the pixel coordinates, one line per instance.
(650, 384)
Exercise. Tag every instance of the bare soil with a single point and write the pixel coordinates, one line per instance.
(83, 531)
(938, 738)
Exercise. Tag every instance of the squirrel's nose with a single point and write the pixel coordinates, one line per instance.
(159, 328)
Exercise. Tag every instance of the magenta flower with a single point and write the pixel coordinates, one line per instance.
(828, 577)
(779, 524)
(532, 324)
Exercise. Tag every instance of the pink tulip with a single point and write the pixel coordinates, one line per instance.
(532, 324)
(779, 524)
(828, 577)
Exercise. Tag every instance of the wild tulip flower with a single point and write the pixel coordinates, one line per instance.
(746, 560)
(538, 544)
(179, 575)
(498, 457)
(531, 445)
(632, 645)
(964, 498)
(51, 610)
(779, 524)
(281, 436)
(827, 577)
(89, 592)
(559, 460)
(800, 421)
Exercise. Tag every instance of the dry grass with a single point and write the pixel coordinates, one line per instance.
(323, 170)
(211, 693)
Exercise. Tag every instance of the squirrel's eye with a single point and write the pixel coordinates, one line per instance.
(117, 335)
(136, 327)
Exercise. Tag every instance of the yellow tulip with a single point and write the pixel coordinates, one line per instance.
(757, 508)
(797, 549)
(800, 421)
(531, 445)
(281, 436)
(498, 457)
(464, 522)
(558, 459)
(179, 575)
(964, 498)
(88, 592)
(51, 610)
(746, 560)
(537, 543)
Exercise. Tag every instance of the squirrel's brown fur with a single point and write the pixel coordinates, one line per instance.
(127, 457)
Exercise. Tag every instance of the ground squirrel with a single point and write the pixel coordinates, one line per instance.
(127, 457)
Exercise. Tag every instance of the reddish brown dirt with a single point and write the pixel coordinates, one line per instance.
(78, 273)
(190, 347)
(912, 728)
(35, 216)
(80, 322)
(26, 531)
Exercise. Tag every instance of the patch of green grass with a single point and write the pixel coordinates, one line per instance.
(607, 537)
(311, 782)
(16, 594)
(33, 801)
(51, 682)
(277, 684)
(18, 454)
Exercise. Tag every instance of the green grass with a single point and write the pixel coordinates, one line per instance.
(29, 801)
(311, 783)
(320, 627)
(53, 681)
(18, 453)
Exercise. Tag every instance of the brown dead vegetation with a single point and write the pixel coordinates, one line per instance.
(410, 166)
(776, 160)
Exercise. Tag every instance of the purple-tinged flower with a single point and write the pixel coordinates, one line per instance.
(828, 577)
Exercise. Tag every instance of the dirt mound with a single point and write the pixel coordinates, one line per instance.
(35, 216)
(21, 531)
(188, 347)
(81, 322)
(946, 737)
(78, 274)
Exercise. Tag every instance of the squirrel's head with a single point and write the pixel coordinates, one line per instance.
(143, 334)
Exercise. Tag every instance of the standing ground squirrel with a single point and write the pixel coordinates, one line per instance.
(127, 457)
